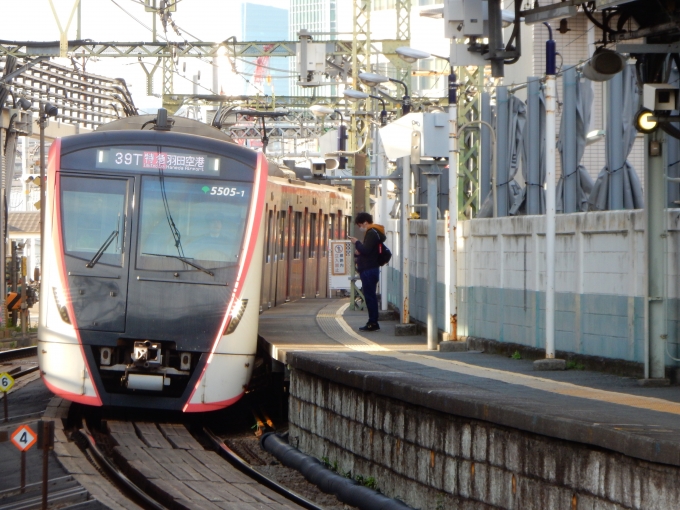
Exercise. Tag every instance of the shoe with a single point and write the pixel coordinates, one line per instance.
(370, 327)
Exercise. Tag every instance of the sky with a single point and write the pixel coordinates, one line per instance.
(126, 20)
(204, 20)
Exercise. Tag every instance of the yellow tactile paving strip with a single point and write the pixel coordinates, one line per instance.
(331, 320)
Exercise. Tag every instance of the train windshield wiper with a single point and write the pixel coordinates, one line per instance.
(102, 249)
(183, 259)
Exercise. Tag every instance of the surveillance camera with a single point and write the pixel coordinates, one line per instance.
(660, 96)
(318, 167)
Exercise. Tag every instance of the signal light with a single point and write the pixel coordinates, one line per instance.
(644, 122)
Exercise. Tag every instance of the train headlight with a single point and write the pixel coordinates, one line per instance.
(61, 305)
(185, 361)
(236, 314)
(105, 354)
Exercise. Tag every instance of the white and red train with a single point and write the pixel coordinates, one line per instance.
(162, 245)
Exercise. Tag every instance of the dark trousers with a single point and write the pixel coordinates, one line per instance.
(369, 283)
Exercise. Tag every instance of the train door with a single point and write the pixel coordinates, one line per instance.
(295, 260)
(267, 272)
(271, 296)
(322, 288)
(296, 263)
(282, 265)
(96, 217)
(311, 282)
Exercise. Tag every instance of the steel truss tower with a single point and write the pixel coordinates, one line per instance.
(471, 80)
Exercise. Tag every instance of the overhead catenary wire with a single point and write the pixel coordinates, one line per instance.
(175, 71)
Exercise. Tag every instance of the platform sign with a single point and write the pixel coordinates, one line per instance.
(6, 382)
(339, 268)
(24, 438)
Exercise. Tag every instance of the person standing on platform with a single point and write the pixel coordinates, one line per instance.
(367, 264)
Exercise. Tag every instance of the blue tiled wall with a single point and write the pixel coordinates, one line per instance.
(592, 324)
(418, 296)
(596, 325)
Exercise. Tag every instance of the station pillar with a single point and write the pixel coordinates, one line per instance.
(656, 328)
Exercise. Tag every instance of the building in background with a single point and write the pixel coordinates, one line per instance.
(268, 76)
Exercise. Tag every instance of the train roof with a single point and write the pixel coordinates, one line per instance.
(180, 125)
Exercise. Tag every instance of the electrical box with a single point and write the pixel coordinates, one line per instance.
(17, 119)
(466, 18)
(311, 61)
(435, 135)
(660, 96)
(316, 57)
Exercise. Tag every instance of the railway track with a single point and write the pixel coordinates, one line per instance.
(13, 354)
(19, 362)
(163, 466)
(156, 465)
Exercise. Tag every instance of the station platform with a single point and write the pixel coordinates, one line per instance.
(600, 410)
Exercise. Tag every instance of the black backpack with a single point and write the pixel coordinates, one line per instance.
(384, 253)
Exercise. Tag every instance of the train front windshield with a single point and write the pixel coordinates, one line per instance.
(202, 221)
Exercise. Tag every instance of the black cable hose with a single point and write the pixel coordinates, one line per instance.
(345, 489)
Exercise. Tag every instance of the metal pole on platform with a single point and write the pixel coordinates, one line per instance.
(46, 111)
(405, 237)
(451, 258)
(382, 170)
(550, 363)
(42, 119)
(655, 257)
(432, 175)
(46, 452)
(550, 218)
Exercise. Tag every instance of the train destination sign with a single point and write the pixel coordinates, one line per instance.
(150, 160)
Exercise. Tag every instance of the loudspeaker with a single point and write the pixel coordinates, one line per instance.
(604, 65)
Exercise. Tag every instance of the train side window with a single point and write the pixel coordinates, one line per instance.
(348, 227)
(325, 228)
(282, 236)
(268, 240)
(297, 226)
(331, 227)
(312, 235)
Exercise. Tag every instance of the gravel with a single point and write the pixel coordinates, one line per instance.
(248, 447)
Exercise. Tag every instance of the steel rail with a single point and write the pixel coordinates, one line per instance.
(230, 456)
(23, 352)
(106, 465)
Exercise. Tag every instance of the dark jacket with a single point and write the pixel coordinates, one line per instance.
(368, 249)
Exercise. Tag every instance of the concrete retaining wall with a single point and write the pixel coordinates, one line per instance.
(435, 460)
